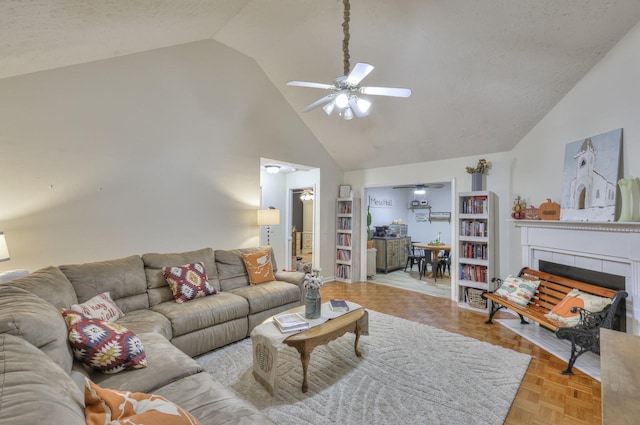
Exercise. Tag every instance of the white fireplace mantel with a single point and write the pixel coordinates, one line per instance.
(610, 247)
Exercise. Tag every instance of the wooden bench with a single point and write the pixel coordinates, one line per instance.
(585, 336)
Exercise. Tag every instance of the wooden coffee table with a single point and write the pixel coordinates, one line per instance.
(306, 341)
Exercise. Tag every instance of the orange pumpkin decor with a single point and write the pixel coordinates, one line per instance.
(549, 210)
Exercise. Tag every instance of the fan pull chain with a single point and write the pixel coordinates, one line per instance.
(345, 41)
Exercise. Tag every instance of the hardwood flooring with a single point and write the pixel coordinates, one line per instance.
(545, 396)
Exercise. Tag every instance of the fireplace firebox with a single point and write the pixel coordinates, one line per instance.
(605, 280)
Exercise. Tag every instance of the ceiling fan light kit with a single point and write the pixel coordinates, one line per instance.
(346, 88)
(272, 168)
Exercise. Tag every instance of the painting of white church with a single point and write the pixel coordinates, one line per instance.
(591, 174)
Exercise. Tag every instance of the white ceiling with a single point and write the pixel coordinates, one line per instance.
(483, 73)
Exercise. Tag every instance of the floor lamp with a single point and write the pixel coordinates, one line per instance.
(269, 217)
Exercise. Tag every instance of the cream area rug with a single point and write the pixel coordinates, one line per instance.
(409, 374)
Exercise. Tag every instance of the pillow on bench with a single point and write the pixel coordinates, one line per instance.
(517, 290)
(561, 313)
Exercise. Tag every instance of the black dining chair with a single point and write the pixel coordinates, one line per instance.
(414, 256)
(429, 261)
(444, 263)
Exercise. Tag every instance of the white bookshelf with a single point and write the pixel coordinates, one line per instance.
(476, 252)
(348, 240)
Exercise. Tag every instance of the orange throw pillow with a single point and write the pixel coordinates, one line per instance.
(104, 406)
(259, 266)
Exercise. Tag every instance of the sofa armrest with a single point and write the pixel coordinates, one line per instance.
(297, 278)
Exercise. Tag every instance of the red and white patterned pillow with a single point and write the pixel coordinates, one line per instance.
(99, 307)
(188, 282)
(104, 346)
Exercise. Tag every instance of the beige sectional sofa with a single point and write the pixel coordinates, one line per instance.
(40, 381)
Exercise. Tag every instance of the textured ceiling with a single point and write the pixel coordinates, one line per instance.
(483, 73)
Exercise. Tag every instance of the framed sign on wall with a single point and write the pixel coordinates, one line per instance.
(345, 191)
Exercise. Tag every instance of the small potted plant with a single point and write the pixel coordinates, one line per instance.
(312, 283)
(477, 174)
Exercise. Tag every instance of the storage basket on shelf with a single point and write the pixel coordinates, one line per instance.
(474, 298)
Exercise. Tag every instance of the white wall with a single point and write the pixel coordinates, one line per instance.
(608, 97)
(452, 170)
(419, 231)
(157, 151)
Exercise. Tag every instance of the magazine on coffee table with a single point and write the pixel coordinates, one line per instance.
(290, 322)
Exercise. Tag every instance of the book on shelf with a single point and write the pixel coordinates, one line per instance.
(290, 322)
(338, 305)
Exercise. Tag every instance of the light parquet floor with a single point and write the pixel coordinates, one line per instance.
(545, 397)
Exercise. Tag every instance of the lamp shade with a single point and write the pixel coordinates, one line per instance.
(4, 250)
(268, 217)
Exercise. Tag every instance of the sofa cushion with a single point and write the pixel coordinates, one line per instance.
(231, 269)
(49, 284)
(99, 307)
(203, 312)
(103, 405)
(34, 389)
(123, 278)
(188, 282)
(259, 266)
(104, 346)
(158, 288)
(140, 321)
(30, 317)
(268, 295)
(211, 402)
(165, 363)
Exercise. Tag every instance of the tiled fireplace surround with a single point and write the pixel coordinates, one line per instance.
(606, 247)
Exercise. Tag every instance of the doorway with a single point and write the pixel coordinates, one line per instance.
(302, 219)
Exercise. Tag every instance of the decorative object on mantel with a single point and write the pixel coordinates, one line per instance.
(591, 171)
(477, 174)
(549, 210)
(518, 208)
(629, 199)
(531, 213)
(313, 301)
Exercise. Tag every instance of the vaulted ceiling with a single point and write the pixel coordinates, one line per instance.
(483, 73)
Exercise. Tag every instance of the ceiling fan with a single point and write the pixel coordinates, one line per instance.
(345, 89)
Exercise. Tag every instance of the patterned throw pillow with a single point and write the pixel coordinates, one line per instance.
(259, 266)
(562, 314)
(517, 290)
(104, 346)
(104, 406)
(188, 282)
(99, 307)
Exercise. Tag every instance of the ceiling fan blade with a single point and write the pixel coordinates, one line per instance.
(420, 186)
(312, 85)
(386, 91)
(358, 73)
(359, 106)
(319, 102)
